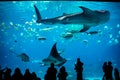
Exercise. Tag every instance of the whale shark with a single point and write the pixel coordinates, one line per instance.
(54, 57)
(87, 18)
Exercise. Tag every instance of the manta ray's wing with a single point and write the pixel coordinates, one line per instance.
(54, 53)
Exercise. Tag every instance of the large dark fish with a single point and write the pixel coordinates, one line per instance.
(24, 57)
(87, 18)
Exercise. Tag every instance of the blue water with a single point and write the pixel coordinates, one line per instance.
(17, 23)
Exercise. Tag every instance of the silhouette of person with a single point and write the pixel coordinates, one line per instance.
(2, 72)
(79, 69)
(7, 74)
(107, 69)
(17, 75)
(38, 79)
(110, 69)
(105, 77)
(116, 74)
(34, 76)
(27, 75)
(46, 77)
(51, 73)
(62, 75)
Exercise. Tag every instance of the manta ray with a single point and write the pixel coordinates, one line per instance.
(87, 18)
(54, 57)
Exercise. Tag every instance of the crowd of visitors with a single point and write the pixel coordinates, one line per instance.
(53, 74)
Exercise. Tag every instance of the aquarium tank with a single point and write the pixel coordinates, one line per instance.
(89, 30)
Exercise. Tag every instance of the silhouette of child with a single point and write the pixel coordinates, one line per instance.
(116, 74)
(62, 75)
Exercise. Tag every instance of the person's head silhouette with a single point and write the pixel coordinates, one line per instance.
(78, 59)
(52, 64)
(109, 63)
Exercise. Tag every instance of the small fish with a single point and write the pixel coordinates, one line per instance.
(41, 38)
(47, 29)
(61, 51)
(92, 32)
(15, 41)
(67, 35)
(85, 41)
